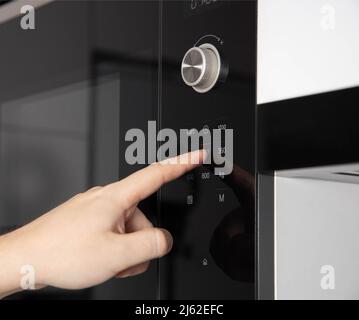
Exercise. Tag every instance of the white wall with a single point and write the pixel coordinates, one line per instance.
(316, 224)
(306, 47)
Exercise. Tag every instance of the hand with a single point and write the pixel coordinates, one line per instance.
(95, 235)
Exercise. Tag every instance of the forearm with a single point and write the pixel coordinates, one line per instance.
(10, 266)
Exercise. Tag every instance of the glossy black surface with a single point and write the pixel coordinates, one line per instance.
(213, 255)
(70, 91)
(44, 133)
(314, 130)
(124, 71)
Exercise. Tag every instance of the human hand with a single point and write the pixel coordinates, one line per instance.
(95, 235)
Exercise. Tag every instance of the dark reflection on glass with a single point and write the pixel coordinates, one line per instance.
(69, 100)
(69, 93)
(232, 244)
(214, 245)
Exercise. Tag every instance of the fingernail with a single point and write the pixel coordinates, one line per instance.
(123, 274)
(169, 239)
(205, 154)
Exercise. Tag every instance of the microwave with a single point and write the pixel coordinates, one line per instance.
(283, 76)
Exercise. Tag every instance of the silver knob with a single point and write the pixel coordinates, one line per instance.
(201, 67)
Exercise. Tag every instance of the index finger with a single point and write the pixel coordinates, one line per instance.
(145, 182)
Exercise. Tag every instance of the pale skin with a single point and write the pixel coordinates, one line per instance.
(94, 236)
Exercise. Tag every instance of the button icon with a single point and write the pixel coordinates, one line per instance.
(222, 126)
(204, 262)
(221, 197)
(221, 151)
(190, 199)
(205, 175)
(206, 129)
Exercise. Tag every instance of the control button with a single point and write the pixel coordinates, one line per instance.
(206, 129)
(221, 197)
(204, 262)
(222, 126)
(221, 193)
(190, 199)
(201, 67)
(206, 175)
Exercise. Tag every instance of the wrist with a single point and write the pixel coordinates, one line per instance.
(9, 268)
(16, 273)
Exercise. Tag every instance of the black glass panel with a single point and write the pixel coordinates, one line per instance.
(71, 89)
(212, 219)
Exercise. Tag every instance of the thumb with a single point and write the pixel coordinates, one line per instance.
(144, 245)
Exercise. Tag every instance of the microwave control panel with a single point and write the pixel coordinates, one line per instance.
(208, 85)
